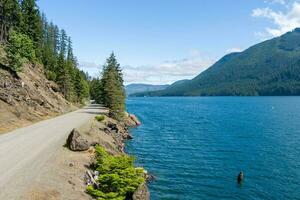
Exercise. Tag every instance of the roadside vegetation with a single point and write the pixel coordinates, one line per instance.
(28, 37)
(118, 178)
(109, 88)
(100, 118)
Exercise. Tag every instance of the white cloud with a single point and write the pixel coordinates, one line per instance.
(282, 2)
(167, 72)
(234, 49)
(282, 21)
(91, 67)
(162, 73)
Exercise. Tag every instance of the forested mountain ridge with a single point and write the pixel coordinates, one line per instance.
(268, 68)
(139, 87)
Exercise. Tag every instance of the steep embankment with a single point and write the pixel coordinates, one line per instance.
(268, 68)
(28, 97)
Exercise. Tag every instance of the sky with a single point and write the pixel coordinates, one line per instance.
(162, 41)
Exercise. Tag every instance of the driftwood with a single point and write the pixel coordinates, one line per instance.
(91, 180)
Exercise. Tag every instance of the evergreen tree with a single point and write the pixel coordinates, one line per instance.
(62, 71)
(10, 16)
(96, 90)
(113, 94)
(81, 87)
(32, 38)
(31, 24)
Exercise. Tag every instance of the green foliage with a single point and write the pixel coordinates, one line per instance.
(20, 50)
(10, 17)
(31, 23)
(96, 90)
(112, 88)
(100, 118)
(81, 86)
(269, 68)
(118, 178)
(50, 75)
(33, 39)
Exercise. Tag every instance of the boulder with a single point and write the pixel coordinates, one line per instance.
(77, 142)
(131, 120)
(142, 193)
(135, 119)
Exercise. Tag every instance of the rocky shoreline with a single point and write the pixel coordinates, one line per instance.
(111, 135)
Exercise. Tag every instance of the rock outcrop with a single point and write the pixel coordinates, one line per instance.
(131, 120)
(142, 193)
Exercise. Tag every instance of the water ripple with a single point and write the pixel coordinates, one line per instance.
(196, 146)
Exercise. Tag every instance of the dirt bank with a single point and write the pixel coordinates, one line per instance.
(28, 97)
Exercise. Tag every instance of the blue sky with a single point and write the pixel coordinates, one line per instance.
(161, 41)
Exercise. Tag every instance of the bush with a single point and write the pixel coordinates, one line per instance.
(100, 118)
(50, 75)
(20, 49)
(118, 178)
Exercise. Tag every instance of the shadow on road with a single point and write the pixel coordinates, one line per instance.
(95, 109)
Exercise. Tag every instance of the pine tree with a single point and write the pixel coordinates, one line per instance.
(29, 37)
(31, 23)
(96, 90)
(81, 87)
(10, 16)
(113, 94)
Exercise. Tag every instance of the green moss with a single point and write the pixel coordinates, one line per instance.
(118, 177)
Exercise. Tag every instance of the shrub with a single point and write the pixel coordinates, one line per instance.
(118, 178)
(51, 75)
(20, 49)
(100, 118)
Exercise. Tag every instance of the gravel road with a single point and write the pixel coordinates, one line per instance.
(26, 151)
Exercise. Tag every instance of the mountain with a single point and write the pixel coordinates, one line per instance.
(139, 87)
(269, 68)
(177, 83)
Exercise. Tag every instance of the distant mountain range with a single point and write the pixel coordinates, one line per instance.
(139, 87)
(268, 68)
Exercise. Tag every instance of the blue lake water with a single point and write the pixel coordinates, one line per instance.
(196, 146)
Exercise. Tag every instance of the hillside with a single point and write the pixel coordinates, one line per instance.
(28, 97)
(268, 68)
(139, 87)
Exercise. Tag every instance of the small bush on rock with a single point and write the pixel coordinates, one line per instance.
(118, 177)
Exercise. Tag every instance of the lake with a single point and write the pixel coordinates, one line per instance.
(196, 146)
